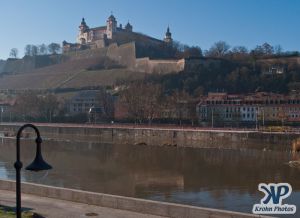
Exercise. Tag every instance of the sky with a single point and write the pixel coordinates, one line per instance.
(193, 22)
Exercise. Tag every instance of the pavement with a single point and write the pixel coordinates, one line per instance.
(54, 208)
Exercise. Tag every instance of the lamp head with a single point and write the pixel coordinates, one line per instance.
(38, 163)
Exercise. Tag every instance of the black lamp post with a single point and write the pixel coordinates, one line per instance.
(38, 163)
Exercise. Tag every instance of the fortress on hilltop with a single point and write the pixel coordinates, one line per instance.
(103, 36)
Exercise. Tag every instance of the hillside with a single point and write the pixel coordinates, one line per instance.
(71, 74)
(280, 74)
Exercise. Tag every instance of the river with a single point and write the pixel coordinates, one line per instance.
(215, 178)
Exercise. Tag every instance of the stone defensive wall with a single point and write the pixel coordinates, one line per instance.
(122, 203)
(27, 64)
(84, 54)
(125, 55)
(2, 65)
(18, 65)
(163, 136)
(159, 66)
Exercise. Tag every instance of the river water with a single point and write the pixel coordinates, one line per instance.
(215, 178)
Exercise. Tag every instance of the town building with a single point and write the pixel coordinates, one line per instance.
(275, 69)
(83, 101)
(253, 109)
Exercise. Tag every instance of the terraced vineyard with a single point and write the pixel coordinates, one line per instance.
(71, 74)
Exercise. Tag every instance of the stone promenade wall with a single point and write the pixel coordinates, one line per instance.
(122, 203)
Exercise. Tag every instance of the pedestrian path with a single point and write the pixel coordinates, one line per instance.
(53, 208)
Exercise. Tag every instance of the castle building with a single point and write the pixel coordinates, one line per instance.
(102, 36)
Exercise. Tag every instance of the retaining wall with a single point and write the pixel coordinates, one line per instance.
(163, 136)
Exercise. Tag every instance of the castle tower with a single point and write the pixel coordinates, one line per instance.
(128, 27)
(111, 26)
(168, 36)
(83, 27)
(82, 36)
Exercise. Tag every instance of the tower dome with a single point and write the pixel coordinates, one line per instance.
(111, 26)
(168, 36)
(83, 27)
(128, 27)
(111, 18)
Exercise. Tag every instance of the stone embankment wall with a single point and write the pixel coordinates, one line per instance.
(122, 203)
(165, 137)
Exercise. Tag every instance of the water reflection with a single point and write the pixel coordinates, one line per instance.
(226, 179)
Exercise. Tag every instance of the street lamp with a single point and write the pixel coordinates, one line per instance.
(38, 163)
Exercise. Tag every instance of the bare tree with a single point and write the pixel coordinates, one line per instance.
(193, 51)
(267, 49)
(263, 50)
(42, 49)
(31, 50)
(143, 101)
(278, 50)
(34, 50)
(152, 99)
(27, 50)
(133, 100)
(219, 49)
(14, 53)
(27, 106)
(106, 101)
(48, 106)
(180, 104)
(239, 52)
(54, 48)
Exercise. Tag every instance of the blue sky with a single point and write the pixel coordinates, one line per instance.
(193, 22)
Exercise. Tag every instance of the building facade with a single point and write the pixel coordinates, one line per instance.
(83, 101)
(253, 109)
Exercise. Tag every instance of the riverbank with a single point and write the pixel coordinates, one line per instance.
(163, 136)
